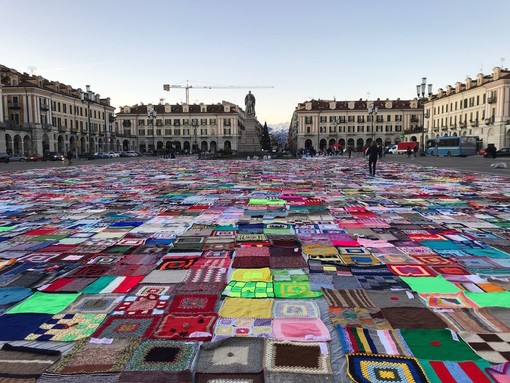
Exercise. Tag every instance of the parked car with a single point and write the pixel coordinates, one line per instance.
(393, 150)
(17, 157)
(4, 157)
(86, 155)
(53, 156)
(503, 152)
(34, 158)
(129, 153)
(114, 154)
(101, 155)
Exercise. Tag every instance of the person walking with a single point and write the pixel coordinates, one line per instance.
(349, 150)
(415, 151)
(69, 157)
(409, 152)
(372, 153)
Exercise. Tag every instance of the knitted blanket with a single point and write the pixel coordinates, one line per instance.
(25, 362)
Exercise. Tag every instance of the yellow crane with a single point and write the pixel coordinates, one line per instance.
(167, 87)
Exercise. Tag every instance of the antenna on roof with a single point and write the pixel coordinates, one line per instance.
(31, 68)
(368, 96)
(161, 100)
(481, 67)
(502, 62)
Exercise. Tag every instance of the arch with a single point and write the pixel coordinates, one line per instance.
(227, 146)
(308, 144)
(332, 141)
(159, 145)
(17, 145)
(178, 146)
(322, 144)
(454, 134)
(341, 141)
(8, 143)
(125, 145)
(368, 142)
(82, 145)
(186, 146)
(360, 144)
(379, 141)
(27, 144)
(204, 146)
(350, 142)
(60, 144)
(213, 146)
(413, 139)
(100, 145)
(387, 141)
(72, 143)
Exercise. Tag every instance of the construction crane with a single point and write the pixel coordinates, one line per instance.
(167, 87)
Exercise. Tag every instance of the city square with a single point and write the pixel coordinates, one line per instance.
(298, 270)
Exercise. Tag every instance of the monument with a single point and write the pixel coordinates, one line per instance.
(249, 142)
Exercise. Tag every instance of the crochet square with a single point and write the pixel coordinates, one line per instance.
(190, 327)
(358, 339)
(411, 270)
(158, 355)
(67, 327)
(243, 327)
(193, 303)
(364, 368)
(347, 298)
(127, 326)
(369, 318)
(297, 357)
(135, 305)
(241, 289)
(299, 308)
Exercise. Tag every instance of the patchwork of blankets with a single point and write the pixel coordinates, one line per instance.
(254, 271)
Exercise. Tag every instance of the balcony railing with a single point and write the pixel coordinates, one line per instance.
(14, 105)
(47, 127)
(417, 129)
(492, 99)
(473, 123)
(44, 106)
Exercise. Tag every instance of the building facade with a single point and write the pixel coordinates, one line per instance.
(321, 124)
(38, 116)
(478, 107)
(185, 128)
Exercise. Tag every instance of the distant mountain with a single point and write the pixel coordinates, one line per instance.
(279, 132)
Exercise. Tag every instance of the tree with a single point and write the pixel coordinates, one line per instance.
(265, 141)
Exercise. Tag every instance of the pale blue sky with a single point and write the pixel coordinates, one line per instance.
(127, 49)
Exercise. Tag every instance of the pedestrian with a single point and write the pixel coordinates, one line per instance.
(379, 151)
(415, 150)
(349, 151)
(372, 153)
(409, 152)
(69, 157)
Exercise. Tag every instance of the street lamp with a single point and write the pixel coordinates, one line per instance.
(194, 124)
(420, 92)
(372, 112)
(152, 114)
(88, 97)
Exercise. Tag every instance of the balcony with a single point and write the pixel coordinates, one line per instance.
(47, 127)
(417, 129)
(473, 123)
(462, 124)
(62, 128)
(492, 100)
(14, 105)
(454, 126)
(44, 106)
(444, 128)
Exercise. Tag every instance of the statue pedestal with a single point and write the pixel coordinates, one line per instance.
(250, 139)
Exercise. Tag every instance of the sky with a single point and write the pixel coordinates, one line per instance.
(286, 52)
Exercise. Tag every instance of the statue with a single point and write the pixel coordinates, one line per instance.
(249, 101)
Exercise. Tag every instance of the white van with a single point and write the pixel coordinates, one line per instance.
(393, 149)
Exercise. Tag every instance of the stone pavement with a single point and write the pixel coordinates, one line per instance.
(261, 271)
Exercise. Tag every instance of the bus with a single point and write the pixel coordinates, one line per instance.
(453, 146)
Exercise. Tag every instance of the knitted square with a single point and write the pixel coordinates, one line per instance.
(234, 356)
(246, 308)
(358, 339)
(95, 304)
(297, 357)
(494, 348)
(241, 289)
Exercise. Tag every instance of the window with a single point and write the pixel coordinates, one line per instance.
(398, 117)
(141, 132)
(185, 132)
(332, 129)
(65, 108)
(185, 121)
(203, 121)
(350, 118)
(465, 103)
(177, 132)
(323, 119)
(177, 122)
(478, 100)
(379, 118)
(308, 130)
(308, 120)
(212, 121)
(168, 121)
(361, 119)
(141, 122)
(388, 118)
(203, 131)
(168, 132)
(226, 122)
(227, 131)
